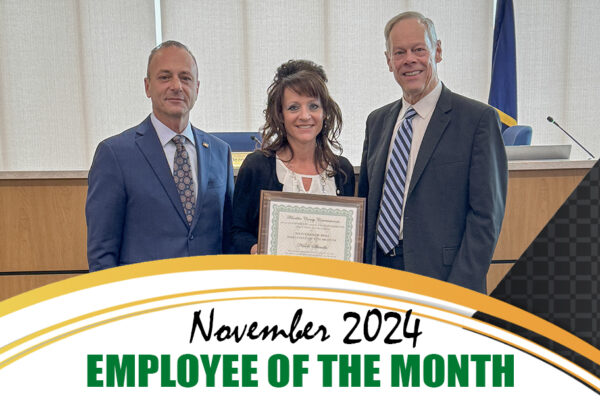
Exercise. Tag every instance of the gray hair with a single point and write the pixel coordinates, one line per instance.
(164, 45)
(430, 35)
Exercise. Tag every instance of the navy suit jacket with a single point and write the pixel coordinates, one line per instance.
(455, 202)
(133, 210)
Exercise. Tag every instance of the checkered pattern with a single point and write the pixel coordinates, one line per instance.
(558, 276)
(182, 173)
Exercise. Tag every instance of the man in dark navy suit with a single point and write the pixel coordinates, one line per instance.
(433, 168)
(164, 188)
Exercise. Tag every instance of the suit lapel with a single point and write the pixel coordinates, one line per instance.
(382, 148)
(435, 129)
(203, 156)
(149, 145)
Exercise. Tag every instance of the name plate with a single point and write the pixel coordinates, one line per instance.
(309, 225)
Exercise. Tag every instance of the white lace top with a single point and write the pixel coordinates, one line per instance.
(292, 182)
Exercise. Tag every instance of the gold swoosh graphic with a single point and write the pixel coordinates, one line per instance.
(72, 332)
(357, 272)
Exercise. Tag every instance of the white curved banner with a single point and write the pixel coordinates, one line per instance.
(269, 327)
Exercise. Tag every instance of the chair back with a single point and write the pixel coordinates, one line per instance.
(518, 135)
(240, 141)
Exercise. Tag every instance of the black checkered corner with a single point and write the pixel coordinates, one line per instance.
(558, 276)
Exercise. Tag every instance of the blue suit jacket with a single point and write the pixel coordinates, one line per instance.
(133, 209)
(455, 202)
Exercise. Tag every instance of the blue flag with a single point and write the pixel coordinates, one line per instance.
(503, 88)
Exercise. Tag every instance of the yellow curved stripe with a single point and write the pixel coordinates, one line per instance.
(357, 272)
(505, 118)
(65, 335)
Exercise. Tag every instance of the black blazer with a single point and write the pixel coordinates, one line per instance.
(455, 202)
(258, 172)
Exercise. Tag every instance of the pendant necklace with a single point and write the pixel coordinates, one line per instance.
(298, 182)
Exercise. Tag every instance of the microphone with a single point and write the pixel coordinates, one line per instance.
(552, 121)
(254, 138)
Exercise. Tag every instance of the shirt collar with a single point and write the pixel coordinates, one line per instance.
(165, 134)
(426, 105)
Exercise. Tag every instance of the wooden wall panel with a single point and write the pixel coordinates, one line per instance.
(496, 274)
(42, 225)
(14, 284)
(533, 198)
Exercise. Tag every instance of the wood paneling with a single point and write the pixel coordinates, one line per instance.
(42, 225)
(15, 284)
(496, 274)
(533, 198)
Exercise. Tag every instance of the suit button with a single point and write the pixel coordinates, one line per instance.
(191, 237)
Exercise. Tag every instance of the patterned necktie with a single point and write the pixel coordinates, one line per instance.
(388, 228)
(182, 173)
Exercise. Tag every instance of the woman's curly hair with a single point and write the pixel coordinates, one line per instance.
(307, 79)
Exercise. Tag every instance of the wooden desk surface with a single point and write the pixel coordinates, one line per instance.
(512, 166)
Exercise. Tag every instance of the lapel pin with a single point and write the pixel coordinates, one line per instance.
(205, 144)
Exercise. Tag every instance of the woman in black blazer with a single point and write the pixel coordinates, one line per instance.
(302, 125)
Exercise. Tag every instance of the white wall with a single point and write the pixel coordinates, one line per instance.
(71, 71)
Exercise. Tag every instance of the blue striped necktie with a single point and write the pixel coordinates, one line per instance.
(388, 228)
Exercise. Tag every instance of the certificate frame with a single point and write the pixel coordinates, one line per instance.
(347, 216)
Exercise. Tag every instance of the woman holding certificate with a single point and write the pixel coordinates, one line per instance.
(299, 138)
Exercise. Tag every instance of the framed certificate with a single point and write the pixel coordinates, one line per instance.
(311, 225)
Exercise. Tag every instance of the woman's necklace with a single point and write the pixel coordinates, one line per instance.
(298, 182)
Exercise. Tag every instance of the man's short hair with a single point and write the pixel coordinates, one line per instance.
(164, 45)
(430, 34)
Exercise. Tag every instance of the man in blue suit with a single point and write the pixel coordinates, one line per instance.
(164, 188)
(433, 168)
